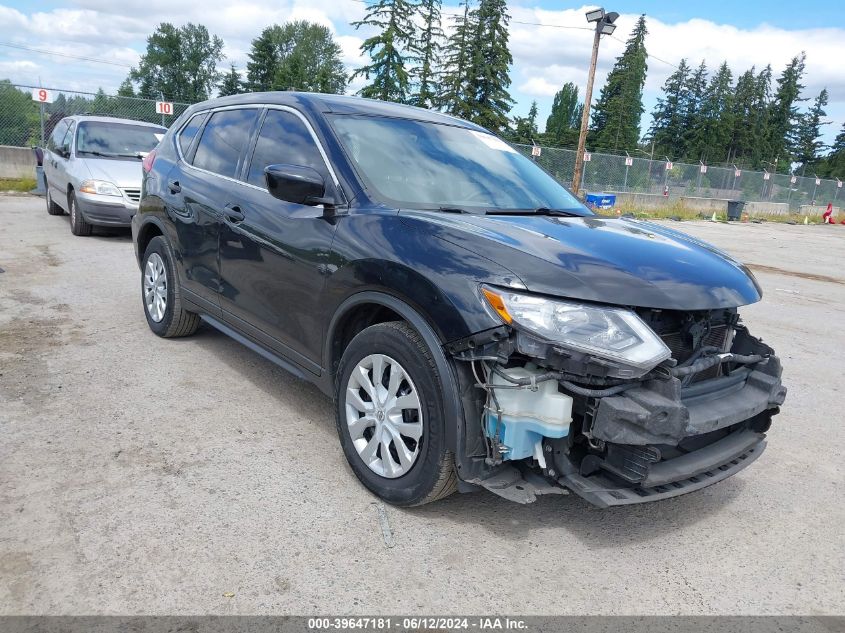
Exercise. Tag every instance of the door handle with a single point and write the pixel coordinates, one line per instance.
(233, 213)
(174, 186)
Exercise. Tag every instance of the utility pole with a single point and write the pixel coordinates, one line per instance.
(604, 26)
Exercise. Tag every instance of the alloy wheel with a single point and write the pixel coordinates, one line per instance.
(155, 287)
(384, 415)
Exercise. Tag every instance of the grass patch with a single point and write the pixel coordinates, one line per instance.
(677, 210)
(17, 184)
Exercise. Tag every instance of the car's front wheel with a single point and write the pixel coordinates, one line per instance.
(78, 225)
(389, 413)
(161, 294)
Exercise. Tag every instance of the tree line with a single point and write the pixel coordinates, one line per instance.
(756, 121)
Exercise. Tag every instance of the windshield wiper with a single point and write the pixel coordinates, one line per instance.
(535, 211)
(110, 154)
(448, 209)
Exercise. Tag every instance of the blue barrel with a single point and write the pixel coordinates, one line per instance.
(601, 200)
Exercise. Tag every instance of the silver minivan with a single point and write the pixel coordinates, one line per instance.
(92, 169)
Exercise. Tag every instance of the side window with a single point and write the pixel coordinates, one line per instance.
(284, 138)
(58, 134)
(186, 136)
(223, 139)
(67, 141)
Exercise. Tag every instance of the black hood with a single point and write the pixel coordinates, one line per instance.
(615, 261)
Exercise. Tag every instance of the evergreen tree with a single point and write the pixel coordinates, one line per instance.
(231, 84)
(833, 165)
(180, 63)
(693, 101)
(524, 129)
(783, 113)
(616, 118)
(126, 89)
(389, 50)
(309, 59)
(810, 145)
(489, 67)
(711, 134)
(264, 59)
(429, 46)
(298, 55)
(454, 97)
(667, 129)
(563, 123)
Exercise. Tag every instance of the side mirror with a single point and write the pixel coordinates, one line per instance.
(297, 184)
(64, 151)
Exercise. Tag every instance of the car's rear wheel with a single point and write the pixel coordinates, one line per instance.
(389, 414)
(161, 295)
(78, 225)
(52, 207)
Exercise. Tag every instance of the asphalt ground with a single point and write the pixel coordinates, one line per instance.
(149, 476)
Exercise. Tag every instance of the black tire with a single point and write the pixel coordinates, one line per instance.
(78, 225)
(432, 476)
(176, 320)
(52, 207)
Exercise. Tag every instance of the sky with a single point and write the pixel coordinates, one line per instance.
(744, 33)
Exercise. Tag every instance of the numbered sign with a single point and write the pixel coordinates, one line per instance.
(793, 180)
(535, 150)
(818, 181)
(42, 95)
(668, 166)
(839, 183)
(587, 157)
(766, 175)
(703, 169)
(629, 160)
(164, 107)
(737, 173)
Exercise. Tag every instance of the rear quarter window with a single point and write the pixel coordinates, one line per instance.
(189, 133)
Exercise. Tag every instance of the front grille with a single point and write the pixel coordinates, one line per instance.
(681, 346)
(133, 194)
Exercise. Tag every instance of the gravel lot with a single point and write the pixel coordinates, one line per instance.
(139, 475)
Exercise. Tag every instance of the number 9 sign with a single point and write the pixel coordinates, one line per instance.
(42, 95)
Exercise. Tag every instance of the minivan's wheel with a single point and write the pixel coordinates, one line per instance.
(389, 414)
(161, 295)
(52, 207)
(78, 225)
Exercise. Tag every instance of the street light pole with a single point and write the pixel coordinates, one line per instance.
(604, 25)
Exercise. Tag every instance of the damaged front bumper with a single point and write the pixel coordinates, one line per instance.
(661, 438)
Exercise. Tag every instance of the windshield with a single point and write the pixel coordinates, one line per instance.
(116, 139)
(423, 165)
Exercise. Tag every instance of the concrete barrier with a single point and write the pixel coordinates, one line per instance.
(809, 209)
(16, 162)
(766, 208)
(648, 201)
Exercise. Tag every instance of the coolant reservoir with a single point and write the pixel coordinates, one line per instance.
(528, 416)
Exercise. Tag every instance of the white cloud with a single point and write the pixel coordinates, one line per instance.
(545, 56)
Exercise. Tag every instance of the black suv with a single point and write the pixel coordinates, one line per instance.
(476, 325)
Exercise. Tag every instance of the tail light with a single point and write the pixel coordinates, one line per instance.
(147, 163)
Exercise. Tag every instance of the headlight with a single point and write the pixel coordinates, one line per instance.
(606, 332)
(100, 187)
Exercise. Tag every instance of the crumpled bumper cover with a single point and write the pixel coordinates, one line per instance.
(675, 477)
(661, 412)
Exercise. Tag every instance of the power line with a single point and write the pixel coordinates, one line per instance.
(67, 55)
(649, 55)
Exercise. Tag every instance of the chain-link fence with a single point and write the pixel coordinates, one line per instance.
(610, 173)
(26, 122)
